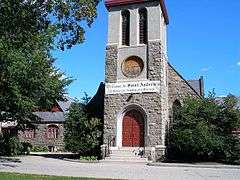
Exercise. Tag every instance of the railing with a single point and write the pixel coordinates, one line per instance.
(111, 143)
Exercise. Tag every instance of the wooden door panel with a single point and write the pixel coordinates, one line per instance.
(133, 130)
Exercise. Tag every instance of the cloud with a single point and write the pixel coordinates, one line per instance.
(205, 69)
(238, 63)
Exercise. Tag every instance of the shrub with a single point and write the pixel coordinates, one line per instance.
(202, 130)
(88, 158)
(26, 148)
(10, 145)
(82, 133)
(39, 149)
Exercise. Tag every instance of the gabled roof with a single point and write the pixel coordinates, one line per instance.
(197, 85)
(64, 105)
(56, 116)
(193, 86)
(112, 3)
(50, 116)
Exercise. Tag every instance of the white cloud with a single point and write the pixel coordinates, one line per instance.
(238, 63)
(205, 69)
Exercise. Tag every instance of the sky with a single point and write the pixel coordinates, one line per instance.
(203, 40)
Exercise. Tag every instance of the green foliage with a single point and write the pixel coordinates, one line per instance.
(88, 158)
(26, 147)
(29, 31)
(82, 133)
(18, 176)
(21, 19)
(28, 79)
(39, 149)
(202, 130)
(10, 145)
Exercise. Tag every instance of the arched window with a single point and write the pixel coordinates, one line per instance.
(175, 109)
(143, 26)
(52, 132)
(125, 28)
(29, 133)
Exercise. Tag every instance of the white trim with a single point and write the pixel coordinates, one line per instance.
(112, 44)
(120, 116)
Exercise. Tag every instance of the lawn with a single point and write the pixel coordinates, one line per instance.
(16, 176)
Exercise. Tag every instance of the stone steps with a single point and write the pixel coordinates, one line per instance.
(128, 155)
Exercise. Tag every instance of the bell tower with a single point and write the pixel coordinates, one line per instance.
(136, 87)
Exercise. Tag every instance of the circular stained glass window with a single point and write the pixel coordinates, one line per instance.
(132, 67)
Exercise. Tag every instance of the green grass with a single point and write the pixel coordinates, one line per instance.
(16, 176)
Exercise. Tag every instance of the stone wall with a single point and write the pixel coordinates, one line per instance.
(111, 64)
(150, 102)
(178, 88)
(154, 105)
(41, 138)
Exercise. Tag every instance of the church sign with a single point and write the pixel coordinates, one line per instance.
(133, 87)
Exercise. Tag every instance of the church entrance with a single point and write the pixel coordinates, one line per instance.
(133, 129)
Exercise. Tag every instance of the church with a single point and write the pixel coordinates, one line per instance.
(141, 86)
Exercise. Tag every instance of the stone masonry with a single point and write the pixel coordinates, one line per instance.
(41, 138)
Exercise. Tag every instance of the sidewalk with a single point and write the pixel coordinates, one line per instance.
(196, 165)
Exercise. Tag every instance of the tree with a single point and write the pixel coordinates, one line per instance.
(202, 130)
(21, 19)
(82, 133)
(29, 31)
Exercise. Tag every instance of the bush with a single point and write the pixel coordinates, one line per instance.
(10, 145)
(202, 131)
(82, 133)
(26, 148)
(39, 149)
(88, 158)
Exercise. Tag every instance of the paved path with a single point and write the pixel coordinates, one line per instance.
(48, 166)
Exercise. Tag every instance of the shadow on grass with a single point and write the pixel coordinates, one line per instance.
(57, 156)
(9, 162)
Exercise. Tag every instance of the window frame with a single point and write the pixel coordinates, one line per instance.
(143, 26)
(125, 30)
(52, 131)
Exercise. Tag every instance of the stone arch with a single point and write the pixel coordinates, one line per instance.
(52, 131)
(120, 117)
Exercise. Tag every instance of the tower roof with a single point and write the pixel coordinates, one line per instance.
(112, 3)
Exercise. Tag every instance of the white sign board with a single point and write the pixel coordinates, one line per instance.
(132, 87)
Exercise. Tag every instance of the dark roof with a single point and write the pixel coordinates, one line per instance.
(50, 116)
(111, 3)
(96, 104)
(56, 116)
(64, 105)
(197, 85)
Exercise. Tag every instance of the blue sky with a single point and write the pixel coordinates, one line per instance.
(203, 39)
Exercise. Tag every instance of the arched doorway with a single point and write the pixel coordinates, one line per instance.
(133, 129)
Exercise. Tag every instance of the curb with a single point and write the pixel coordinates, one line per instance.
(81, 161)
(194, 165)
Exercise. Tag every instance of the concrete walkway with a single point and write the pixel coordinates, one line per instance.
(50, 166)
(197, 165)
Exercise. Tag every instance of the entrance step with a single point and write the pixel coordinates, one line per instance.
(128, 155)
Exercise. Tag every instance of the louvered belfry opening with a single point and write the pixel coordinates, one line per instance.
(143, 26)
(125, 28)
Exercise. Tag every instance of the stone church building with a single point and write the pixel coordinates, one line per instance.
(141, 86)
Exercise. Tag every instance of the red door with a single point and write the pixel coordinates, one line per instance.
(133, 129)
